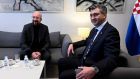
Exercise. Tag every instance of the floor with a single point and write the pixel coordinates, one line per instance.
(52, 72)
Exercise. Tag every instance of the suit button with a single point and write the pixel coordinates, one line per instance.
(84, 58)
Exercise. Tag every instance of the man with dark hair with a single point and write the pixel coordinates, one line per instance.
(100, 56)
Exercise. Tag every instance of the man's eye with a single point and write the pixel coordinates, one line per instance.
(35, 17)
(96, 14)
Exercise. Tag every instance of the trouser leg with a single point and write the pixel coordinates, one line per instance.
(47, 57)
(67, 66)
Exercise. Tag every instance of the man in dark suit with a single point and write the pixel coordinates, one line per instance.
(99, 57)
(35, 39)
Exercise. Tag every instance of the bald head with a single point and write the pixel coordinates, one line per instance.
(37, 17)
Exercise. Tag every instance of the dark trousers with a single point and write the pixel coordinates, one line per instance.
(67, 66)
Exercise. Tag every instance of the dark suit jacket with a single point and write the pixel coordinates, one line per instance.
(27, 38)
(105, 50)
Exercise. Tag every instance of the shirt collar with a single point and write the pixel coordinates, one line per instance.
(101, 26)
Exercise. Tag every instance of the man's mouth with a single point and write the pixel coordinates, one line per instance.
(35, 22)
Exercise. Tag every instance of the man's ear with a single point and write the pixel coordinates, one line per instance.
(105, 16)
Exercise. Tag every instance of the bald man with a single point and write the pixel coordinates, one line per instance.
(35, 39)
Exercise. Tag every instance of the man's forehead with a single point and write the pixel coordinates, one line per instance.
(37, 14)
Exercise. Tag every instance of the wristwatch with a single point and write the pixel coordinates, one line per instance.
(96, 69)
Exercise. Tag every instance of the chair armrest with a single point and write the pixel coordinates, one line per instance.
(65, 43)
(125, 73)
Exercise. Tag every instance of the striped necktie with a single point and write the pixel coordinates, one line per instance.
(88, 47)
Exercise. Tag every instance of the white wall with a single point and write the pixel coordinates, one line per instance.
(67, 21)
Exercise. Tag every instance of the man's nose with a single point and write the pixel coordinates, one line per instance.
(35, 18)
(92, 17)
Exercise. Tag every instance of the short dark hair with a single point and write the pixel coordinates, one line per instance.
(100, 6)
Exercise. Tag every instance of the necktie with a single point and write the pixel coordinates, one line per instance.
(90, 44)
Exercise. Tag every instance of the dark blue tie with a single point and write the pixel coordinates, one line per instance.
(88, 47)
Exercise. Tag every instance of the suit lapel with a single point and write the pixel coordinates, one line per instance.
(101, 33)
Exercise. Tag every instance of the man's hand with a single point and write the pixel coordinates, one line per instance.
(70, 49)
(36, 55)
(86, 73)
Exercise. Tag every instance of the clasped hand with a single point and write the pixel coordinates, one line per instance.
(36, 55)
(86, 73)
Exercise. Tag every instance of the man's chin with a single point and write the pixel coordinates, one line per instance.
(95, 24)
(35, 23)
